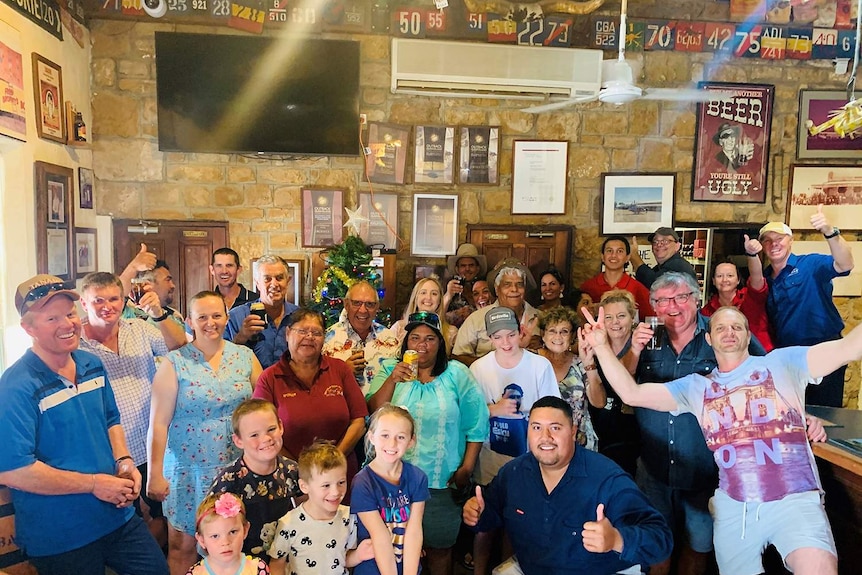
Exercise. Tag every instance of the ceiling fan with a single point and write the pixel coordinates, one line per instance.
(618, 85)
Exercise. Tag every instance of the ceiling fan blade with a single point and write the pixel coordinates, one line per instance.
(684, 95)
(558, 105)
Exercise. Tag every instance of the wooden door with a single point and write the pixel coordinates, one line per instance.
(186, 246)
(536, 246)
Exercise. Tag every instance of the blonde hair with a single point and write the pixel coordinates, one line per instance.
(248, 406)
(207, 508)
(619, 296)
(385, 409)
(412, 307)
(321, 456)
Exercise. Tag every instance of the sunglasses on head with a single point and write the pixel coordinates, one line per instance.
(428, 317)
(39, 292)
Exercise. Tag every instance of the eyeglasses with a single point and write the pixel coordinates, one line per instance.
(366, 304)
(427, 317)
(679, 299)
(663, 243)
(561, 331)
(315, 333)
(39, 292)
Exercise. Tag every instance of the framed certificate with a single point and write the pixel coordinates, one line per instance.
(381, 229)
(435, 225)
(539, 177)
(478, 155)
(386, 163)
(322, 217)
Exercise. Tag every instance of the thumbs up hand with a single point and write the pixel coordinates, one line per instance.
(144, 260)
(473, 508)
(600, 536)
(752, 245)
(820, 223)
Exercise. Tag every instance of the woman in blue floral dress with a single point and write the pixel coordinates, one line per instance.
(195, 392)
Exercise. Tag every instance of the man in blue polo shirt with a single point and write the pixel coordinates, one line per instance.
(65, 457)
(567, 510)
(800, 304)
(267, 338)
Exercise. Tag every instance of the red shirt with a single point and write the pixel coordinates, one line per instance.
(752, 304)
(322, 412)
(596, 286)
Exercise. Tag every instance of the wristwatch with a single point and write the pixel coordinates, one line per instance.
(165, 315)
(835, 232)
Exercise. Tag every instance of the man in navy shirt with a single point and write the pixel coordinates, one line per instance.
(568, 510)
(800, 304)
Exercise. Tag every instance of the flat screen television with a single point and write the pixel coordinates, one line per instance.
(245, 94)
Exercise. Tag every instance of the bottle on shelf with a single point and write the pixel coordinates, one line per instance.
(79, 128)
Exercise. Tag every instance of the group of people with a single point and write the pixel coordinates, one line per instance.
(241, 440)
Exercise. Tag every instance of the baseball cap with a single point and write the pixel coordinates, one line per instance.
(500, 318)
(664, 231)
(426, 318)
(778, 227)
(37, 291)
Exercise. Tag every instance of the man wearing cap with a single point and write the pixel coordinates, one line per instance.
(65, 456)
(665, 248)
(469, 265)
(732, 155)
(800, 304)
(510, 279)
(616, 252)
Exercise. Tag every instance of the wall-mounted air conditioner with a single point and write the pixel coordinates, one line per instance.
(463, 69)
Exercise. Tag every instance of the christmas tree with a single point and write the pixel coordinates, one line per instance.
(347, 263)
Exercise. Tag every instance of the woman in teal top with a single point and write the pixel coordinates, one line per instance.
(451, 424)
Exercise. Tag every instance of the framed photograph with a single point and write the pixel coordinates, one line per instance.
(478, 155)
(731, 144)
(818, 107)
(54, 220)
(428, 271)
(435, 225)
(13, 119)
(848, 286)
(85, 188)
(48, 97)
(838, 187)
(86, 254)
(296, 269)
(539, 177)
(322, 217)
(636, 203)
(389, 145)
(382, 226)
(434, 154)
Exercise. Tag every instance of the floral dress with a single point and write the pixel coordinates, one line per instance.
(574, 391)
(199, 437)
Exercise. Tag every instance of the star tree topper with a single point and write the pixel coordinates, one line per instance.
(355, 219)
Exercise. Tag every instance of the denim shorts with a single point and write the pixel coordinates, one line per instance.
(743, 530)
(442, 520)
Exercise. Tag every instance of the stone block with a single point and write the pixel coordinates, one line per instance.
(109, 39)
(135, 86)
(240, 227)
(258, 195)
(236, 214)
(120, 200)
(373, 97)
(563, 125)
(516, 122)
(228, 196)
(644, 118)
(336, 178)
(248, 246)
(462, 117)
(133, 69)
(655, 154)
(678, 123)
(196, 173)
(374, 48)
(263, 226)
(278, 175)
(197, 196)
(605, 123)
(624, 159)
(414, 110)
(240, 174)
(104, 72)
(127, 160)
(374, 74)
(282, 241)
(287, 197)
(209, 214)
(496, 201)
(591, 140)
(620, 142)
(115, 115)
(162, 195)
(282, 215)
(158, 213)
(589, 163)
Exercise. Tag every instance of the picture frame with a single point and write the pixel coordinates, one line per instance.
(636, 203)
(381, 229)
(296, 286)
(86, 251)
(847, 286)
(816, 106)
(479, 155)
(433, 154)
(54, 220)
(838, 187)
(389, 146)
(539, 174)
(86, 176)
(13, 119)
(427, 271)
(48, 99)
(322, 217)
(731, 143)
(435, 225)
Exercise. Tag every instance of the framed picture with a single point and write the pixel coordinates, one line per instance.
(381, 229)
(389, 145)
(427, 271)
(86, 254)
(48, 97)
(848, 286)
(54, 220)
(296, 270)
(478, 155)
(838, 187)
(818, 107)
(85, 188)
(732, 144)
(539, 177)
(636, 203)
(322, 217)
(13, 119)
(435, 225)
(434, 154)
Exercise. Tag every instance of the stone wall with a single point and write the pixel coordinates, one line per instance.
(260, 197)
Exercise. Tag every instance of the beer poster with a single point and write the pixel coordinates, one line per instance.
(732, 143)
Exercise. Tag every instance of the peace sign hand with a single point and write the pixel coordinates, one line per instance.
(593, 332)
